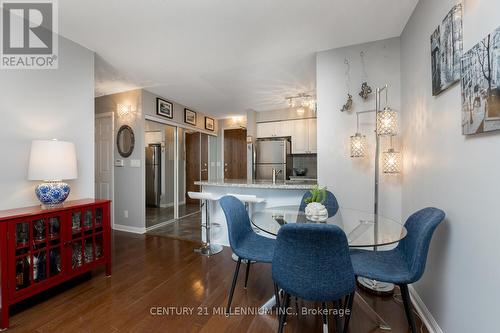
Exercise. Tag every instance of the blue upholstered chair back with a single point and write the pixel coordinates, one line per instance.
(415, 245)
(330, 203)
(312, 262)
(238, 222)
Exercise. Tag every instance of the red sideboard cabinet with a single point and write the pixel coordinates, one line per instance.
(41, 248)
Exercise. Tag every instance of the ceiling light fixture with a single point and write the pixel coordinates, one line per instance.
(303, 101)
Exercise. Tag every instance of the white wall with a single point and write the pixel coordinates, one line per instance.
(46, 104)
(458, 174)
(352, 180)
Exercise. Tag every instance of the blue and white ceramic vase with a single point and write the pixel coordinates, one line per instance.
(52, 194)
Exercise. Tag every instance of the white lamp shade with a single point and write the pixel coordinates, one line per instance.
(52, 160)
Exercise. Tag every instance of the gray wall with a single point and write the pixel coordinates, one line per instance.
(129, 181)
(459, 174)
(149, 106)
(46, 104)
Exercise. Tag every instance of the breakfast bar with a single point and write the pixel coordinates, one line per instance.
(280, 193)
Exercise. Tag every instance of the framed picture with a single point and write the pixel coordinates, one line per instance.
(189, 117)
(164, 108)
(481, 86)
(209, 124)
(446, 51)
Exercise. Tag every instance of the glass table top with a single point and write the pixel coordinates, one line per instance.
(360, 227)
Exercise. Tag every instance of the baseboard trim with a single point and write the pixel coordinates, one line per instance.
(126, 228)
(160, 225)
(424, 313)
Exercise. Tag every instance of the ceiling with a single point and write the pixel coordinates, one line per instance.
(222, 57)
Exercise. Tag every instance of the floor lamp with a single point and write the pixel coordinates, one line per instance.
(386, 125)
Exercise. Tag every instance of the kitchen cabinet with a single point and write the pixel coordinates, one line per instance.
(273, 129)
(312, 136)
(303, 133)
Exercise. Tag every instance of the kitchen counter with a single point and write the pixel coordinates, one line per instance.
(260, 184)
(272, 195)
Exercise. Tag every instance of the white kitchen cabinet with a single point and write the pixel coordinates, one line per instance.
(299, 136)
(266, 130)
(312, 136)
(302, 131)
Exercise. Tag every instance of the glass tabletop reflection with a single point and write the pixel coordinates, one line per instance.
(360, 227)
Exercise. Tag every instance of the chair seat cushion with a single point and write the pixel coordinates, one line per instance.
(255, 247)
(383, 266)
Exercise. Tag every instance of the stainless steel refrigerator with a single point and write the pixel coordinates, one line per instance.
(272, 154)
(153, 175)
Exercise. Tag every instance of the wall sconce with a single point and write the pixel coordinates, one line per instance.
(123, 110)
(358, 145)
(238, 122)
(392, 161)
(387, 122)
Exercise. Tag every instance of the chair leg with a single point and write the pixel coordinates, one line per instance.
(348, 307)
(337, 305)
(325, 317)
(235, 278)
(283, 311)
(246, 273)
(277, 296)
(408, 307)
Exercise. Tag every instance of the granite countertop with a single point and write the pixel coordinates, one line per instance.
(286, 185)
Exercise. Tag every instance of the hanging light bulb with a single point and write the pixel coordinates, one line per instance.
(387, 122)
(358, 145)
(392, 161)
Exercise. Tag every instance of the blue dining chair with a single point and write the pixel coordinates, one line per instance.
(312, 262)
(404, 264)
(244, 242)
(331, 204)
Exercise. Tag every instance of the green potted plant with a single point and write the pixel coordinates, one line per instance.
(315, 210)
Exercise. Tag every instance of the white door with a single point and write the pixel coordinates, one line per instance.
(104, 157)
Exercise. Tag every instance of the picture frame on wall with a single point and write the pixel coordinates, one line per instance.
(189, 117)
(446, 51)
(164, 108)
(209, 124)
(481, 86)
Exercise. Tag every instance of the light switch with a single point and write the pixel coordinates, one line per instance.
(135, 163)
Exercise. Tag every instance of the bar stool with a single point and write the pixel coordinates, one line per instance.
(207, 249)
(248, 199)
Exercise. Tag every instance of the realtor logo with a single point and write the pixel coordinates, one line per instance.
(29, 38)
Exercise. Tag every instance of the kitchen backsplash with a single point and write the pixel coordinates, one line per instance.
(310, 162)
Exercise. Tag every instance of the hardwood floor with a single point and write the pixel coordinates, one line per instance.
(186, 228)
(158, 215)
(151, 272)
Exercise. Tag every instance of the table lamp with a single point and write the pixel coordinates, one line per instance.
(52, 161)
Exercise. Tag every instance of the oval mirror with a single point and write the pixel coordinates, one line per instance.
(125, 141)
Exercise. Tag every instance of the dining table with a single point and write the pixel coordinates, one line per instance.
(363, 230)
